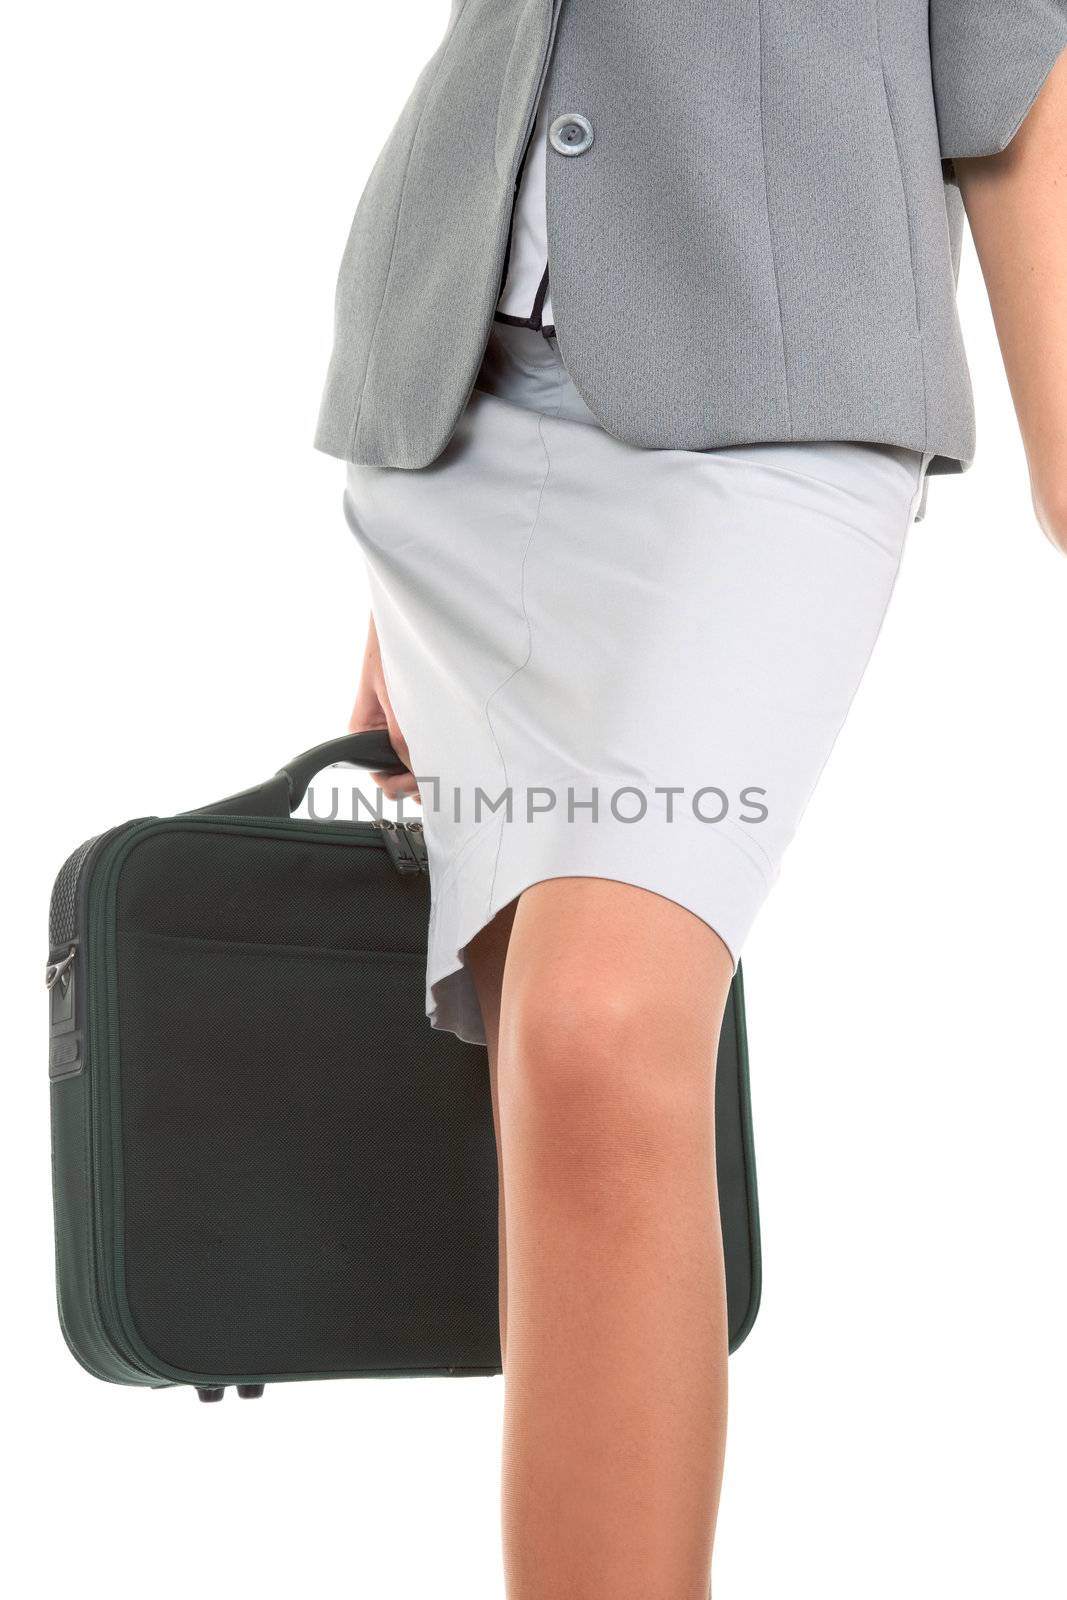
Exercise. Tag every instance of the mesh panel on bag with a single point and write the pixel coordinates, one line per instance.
(63, 905)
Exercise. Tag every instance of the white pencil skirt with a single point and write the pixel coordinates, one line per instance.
(614, 662)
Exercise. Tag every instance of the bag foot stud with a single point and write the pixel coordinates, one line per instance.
(250, 1391)
(211, 1394)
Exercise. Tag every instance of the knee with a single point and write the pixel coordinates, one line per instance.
(609, 1070)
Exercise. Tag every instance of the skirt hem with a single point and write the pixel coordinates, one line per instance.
(710, 875)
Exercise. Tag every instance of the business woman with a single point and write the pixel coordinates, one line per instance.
(646, 346)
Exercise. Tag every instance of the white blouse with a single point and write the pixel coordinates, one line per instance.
(526, 299)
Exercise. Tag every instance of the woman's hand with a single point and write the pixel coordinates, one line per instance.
(1017, 205)
(373, 710)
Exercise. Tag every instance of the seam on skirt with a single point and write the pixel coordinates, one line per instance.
(898, 563)
(513, 674)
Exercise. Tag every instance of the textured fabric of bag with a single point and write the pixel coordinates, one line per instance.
(760, 244)
(307, 1187)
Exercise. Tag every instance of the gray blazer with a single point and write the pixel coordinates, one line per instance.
(761, 243)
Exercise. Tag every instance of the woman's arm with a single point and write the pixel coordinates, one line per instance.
(373, 709)
(1017, 205)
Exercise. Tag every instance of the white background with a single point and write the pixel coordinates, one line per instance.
(184, 608)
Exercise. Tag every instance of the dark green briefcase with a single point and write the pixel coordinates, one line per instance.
(267, 1166)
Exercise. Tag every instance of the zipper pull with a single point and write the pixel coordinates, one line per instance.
(417, 840)
(398, 845)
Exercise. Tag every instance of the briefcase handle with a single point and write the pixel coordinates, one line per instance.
(280, 795)
(371, 750)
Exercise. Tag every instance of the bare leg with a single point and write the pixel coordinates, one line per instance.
(615, 1398)
(486, 955)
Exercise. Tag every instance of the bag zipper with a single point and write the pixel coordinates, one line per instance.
(400, 841)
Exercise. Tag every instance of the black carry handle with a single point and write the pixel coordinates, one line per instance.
(280, 795)
(371, 749)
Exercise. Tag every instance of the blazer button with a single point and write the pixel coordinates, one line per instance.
(571, 134)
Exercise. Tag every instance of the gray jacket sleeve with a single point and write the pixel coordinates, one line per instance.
(990, 59)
